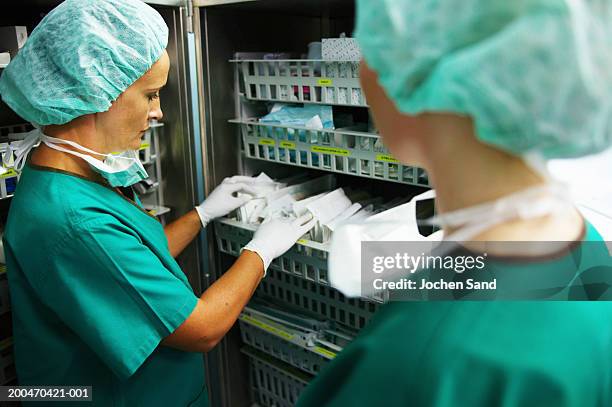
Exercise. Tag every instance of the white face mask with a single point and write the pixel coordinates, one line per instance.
(400, 224)
(120, 170)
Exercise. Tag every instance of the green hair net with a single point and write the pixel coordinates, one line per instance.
(81, 57)
(535, 75)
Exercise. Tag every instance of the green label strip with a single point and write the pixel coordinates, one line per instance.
(9, 174)
(287, 144)
(266, 327)
(325, 82)
(324, 352)
(386, 157)
(145, 145)
(267, 142)
(331, 150)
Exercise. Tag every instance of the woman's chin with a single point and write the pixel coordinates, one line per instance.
(136, 145)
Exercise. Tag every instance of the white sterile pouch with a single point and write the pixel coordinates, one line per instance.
(395, 224)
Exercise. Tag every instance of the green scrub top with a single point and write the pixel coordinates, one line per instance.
(94, 289)
(477, 354)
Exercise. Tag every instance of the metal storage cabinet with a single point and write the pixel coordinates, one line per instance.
(278, 361)
(221, 30)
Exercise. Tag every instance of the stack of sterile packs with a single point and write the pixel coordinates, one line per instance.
(312, 116)
(329, 205)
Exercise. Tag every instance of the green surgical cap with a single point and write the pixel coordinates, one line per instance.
(81, 57)
(535, 75)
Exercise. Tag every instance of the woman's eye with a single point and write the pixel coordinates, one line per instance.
(153, 96)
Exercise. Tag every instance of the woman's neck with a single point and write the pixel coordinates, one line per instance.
(47, 157)
(466, 172)
(78, 131)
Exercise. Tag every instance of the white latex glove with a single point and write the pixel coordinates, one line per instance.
(275, 237)
(223, 199)
(245, 179)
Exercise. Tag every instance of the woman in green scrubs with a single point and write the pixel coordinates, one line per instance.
(481, 354)
(97, 297)
(480, 94)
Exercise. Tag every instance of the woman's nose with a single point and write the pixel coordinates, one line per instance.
(156, 114)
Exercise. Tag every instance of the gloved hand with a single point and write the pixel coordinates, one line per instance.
(275, 237)
(245, 179)
(222, 200)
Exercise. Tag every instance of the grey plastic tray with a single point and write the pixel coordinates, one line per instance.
(299, 278)
(274, 382)
(306, 259)
(303, 81)
(277, 342)
(317, 299)
(9, 180)
(16, 128)
(343, 151)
